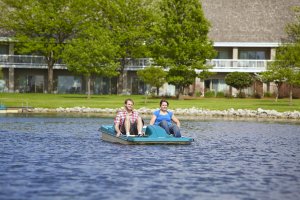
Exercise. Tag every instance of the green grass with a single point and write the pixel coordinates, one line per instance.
(116, 101)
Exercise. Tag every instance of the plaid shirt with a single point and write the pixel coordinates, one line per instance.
(120, 118)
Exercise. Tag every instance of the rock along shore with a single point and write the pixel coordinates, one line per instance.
(187, 113)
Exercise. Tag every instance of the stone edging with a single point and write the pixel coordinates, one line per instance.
(188, 112)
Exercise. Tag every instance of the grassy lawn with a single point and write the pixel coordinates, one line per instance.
(116, 101)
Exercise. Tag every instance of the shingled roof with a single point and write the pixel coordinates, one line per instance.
(248, 20)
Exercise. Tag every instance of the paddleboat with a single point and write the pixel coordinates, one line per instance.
(153, 135)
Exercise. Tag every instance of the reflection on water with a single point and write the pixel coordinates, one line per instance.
(64, 158)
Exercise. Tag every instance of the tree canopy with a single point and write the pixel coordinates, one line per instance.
(92, 53)
(239, 80)
(180, 39)
(130, 22)
(154, 76)
(286, 66)
(42, 27)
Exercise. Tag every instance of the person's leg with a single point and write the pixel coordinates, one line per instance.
(134, 128)
(174, 129)
(140, 125)
(164, 125)
(127, 125)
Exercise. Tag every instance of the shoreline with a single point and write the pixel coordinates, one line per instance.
(184, 114)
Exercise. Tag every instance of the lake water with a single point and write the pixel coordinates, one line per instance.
(44, 157)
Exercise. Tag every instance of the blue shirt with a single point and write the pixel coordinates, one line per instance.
(159, 117)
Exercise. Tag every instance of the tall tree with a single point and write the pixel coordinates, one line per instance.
(154, 76)
(42, 26)
(286, 66)
(129, 20)
(92, 53)
(180, 39)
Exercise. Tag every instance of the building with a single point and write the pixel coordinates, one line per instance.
(245, 34)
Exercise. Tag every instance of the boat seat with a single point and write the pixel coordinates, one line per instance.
(156, 131)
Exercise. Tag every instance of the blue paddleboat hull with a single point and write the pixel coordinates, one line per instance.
(154, 135)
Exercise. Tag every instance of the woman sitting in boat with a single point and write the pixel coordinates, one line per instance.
(164, 118)
(128, 121)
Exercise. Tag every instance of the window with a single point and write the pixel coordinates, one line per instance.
(69, 84)
(4, 49)
(252, 55)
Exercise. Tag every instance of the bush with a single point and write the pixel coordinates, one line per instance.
(210, 94)
(267, 94)
(198, 94)
(241, 95)
(257, 96)
(220, 94)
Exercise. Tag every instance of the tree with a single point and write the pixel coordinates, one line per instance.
(154, 76)
(180, 39)
(239, 80)
(129, 21)
(181, 77)
(286, 66)
(92, 53)
(43, 27)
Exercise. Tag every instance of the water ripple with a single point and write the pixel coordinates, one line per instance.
(64, 158)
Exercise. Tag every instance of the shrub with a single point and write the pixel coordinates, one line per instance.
(220, 94)
(267, 94)
(210, 94)
(257, 96)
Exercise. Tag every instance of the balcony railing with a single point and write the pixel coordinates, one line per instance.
(230, 65)
(219, 65)
(137, 64)
(26, 61)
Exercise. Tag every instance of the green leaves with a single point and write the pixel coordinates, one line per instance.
(239, 80)
(180, 40)
(154, 76)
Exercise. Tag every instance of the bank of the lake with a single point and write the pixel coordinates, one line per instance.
(187, 113)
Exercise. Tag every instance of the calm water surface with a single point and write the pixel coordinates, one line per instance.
(64, 158)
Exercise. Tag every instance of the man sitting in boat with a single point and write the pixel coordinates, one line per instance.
(128, 121)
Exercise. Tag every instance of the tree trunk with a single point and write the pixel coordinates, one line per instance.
(291, 94)
(50, 77)
(157, 91)
(120, 83)
(89, 87)
(50, 62)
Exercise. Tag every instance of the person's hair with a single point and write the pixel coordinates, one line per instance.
(126, 100)
(162, 101)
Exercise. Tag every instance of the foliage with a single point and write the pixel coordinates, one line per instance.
(181, 77)
(180, 39)
(286, 66)
(129, 22)
(209, 93)
(42, 27)
(154, 76)
(220, 94)
(1, 73)
(91, 53)
(293, 29)
(239, 80)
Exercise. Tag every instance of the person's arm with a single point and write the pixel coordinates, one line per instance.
(152, 120)
(174, 119)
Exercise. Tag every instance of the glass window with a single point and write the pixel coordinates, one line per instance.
(4, 49)
(69, 84)
(252, 55)
(31, 83)
(104, 85)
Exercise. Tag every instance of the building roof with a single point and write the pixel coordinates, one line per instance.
(248, 21)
